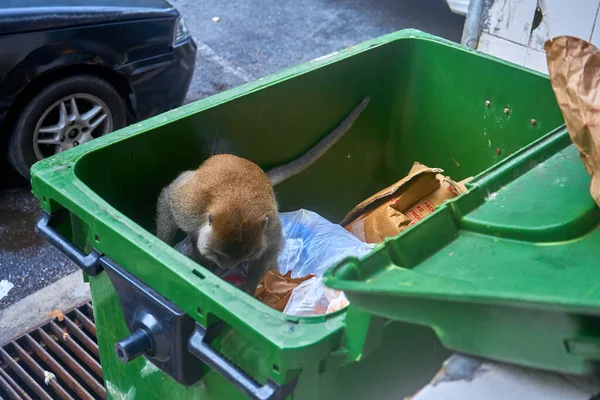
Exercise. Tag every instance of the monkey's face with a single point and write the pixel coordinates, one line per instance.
(231, 240)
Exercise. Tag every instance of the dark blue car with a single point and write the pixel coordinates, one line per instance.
(71, 71)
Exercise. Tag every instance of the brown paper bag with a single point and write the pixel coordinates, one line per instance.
(276, 289)
(574, 67)
(403, 204)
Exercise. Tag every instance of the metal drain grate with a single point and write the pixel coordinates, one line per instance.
(58, 360)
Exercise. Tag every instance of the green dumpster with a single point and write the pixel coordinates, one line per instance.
(431, 101)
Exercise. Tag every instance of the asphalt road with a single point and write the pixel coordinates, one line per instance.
(252, 39)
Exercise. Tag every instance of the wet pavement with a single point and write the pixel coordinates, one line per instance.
(252, 39)
(26, 260)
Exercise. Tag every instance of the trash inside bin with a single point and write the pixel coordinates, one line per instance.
(431, 101)
(311, 245)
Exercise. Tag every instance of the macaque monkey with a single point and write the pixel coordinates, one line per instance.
(229, 211)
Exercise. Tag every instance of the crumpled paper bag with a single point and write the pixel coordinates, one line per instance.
(574, 68)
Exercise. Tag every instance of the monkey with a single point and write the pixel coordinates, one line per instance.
(227, 208)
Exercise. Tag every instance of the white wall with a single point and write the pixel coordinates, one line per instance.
(508, 34)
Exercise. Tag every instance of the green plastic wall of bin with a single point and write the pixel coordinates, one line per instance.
(432, 101)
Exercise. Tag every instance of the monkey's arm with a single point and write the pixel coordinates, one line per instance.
(165, 220)
(171, 212)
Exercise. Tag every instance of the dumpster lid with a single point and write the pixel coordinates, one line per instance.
(526, 242)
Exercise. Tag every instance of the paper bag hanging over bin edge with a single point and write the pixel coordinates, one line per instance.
(574, 68)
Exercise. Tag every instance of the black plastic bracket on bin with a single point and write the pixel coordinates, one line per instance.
(173, 341)
(89, 263)
(159, 329)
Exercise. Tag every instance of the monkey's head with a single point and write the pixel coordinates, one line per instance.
(233, 238)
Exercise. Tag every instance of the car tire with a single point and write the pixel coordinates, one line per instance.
(22, 150)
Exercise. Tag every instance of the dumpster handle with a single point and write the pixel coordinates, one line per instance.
(198, 345)
(89, 263)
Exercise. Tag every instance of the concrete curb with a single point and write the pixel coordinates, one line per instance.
(64, 294)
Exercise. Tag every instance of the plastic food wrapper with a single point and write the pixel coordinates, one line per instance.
(403, 204)
(574, 68)
(311, 297)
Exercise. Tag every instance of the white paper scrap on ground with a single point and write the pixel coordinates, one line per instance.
(5, 287)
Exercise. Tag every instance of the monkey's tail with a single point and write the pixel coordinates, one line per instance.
(283, 172)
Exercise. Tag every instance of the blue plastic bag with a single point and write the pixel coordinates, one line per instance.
(312, 245)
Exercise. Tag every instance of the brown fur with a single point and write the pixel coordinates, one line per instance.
(224, 184)
(239, 197)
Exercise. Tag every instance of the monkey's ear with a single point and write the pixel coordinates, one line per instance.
(209, 219)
